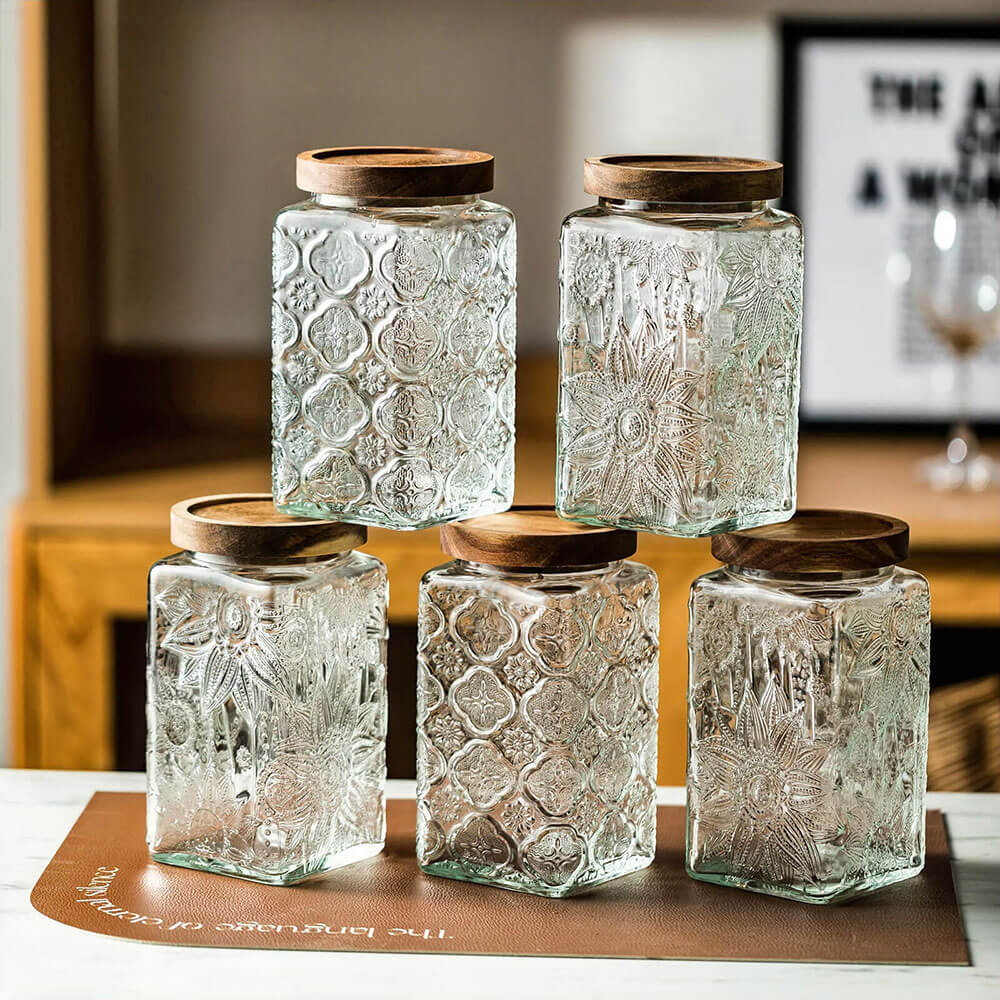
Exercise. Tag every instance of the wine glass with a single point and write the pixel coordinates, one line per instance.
(955, 286)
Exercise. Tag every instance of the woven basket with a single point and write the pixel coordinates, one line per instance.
(964, 737)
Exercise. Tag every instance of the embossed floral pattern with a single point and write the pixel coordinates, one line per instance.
(409, 488)
(266, 753)
(400, 313)
(372, 450)
(229, 649)
(522, 672)
(765, 289)
(302, 294)
(301, 369)
(373, 302)
(679, 367)
(519, 744)
(337, 336)
(339, 260)
(518, 817)
(808, 735)
(631, 433)
(483, 773)
(485, 627)
(765, 791)
(504, 673)
(591, 270)
(301, 442)
(446, 733)
(891, 652)
(283, 255)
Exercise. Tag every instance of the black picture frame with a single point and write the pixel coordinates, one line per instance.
(793, 32)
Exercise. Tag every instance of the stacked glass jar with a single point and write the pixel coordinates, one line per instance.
(393, 336)
(393, 339)
(266, 693)
(679, 330)
(393, 332)
(807, 738)
(537, 700)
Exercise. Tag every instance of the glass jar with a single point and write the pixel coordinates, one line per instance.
(537, 705)
(266, 698)
(393, 339)
(807, 738)
(679, 325)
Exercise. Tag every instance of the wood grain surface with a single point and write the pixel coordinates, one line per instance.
(535, 537)
(247, 526)
(394, 171)
(717, 179)
(86, 548)
(818, 541)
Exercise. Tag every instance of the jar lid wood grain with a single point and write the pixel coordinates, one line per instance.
(685, 179)
(534, 538)
(394, 171)
(818, 541)
(247, 526)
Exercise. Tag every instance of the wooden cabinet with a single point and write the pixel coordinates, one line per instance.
(118, 434)
(82, 552)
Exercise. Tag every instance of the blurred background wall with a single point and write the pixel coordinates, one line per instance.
(12, 415)
(199, 107)
(207, 104)
(208, 127)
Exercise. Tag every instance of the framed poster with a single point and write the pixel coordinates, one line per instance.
(879, 120)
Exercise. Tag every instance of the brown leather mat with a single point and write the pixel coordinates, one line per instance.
(102, 880)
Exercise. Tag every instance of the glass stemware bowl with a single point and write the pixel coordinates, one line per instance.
(955, 285)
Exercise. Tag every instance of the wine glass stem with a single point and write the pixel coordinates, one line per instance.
(962, 441)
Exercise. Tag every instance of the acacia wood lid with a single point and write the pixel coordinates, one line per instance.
(394, 171)
(248, 526)
(534, 538)
(818, 541)
(690, 179)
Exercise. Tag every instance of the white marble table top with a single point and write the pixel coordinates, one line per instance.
(42, 958)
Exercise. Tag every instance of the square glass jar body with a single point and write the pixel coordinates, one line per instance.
(393, 347)
(537, 725)
(266, 715)
(807, 731)
(679, 340)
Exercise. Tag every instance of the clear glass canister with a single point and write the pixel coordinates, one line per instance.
(807, 740)
(266, 697)
(537, 705)
(679, 327)
(393, 339)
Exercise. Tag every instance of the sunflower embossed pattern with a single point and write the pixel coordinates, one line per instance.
(393, 339)
(679, 328)
(808, 698)
(266, 696)
(537, 705)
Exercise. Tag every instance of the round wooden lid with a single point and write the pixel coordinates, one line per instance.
(818, 541)
(534, 538)
(247, 526)
(686, 179)
(394, 171)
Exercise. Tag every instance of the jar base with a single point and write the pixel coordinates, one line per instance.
(699, 529)
(300, 508)
(313, 869)
(519, 882)
(813, 893)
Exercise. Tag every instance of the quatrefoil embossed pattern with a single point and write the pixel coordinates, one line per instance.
(393, 341)
(536, 747)
(679, 354)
